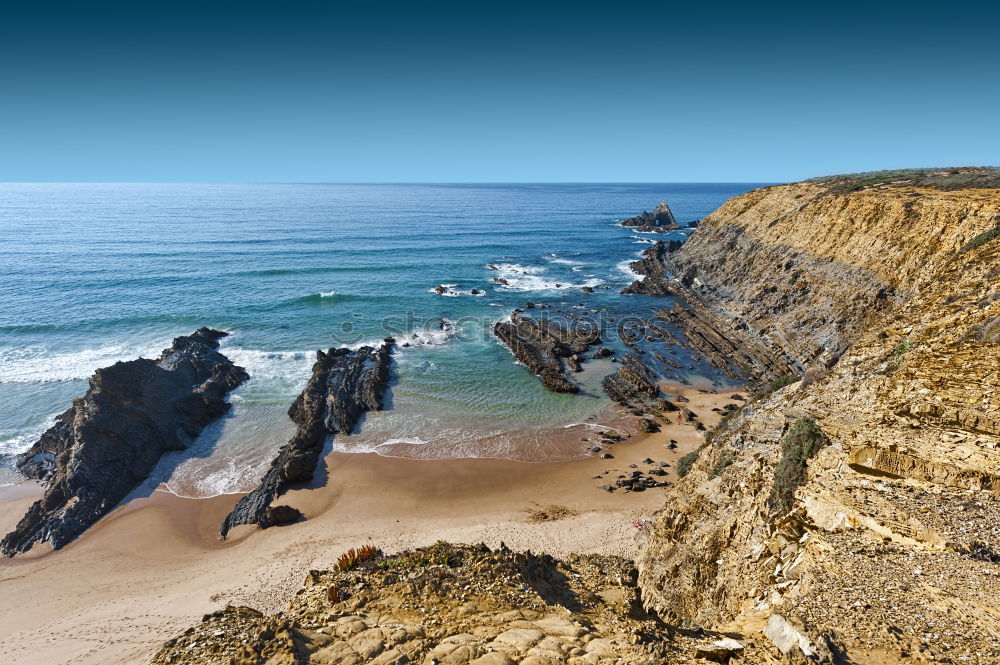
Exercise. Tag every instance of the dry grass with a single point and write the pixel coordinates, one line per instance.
(550, 513)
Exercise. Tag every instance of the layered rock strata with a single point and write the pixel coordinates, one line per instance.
(546, 348)
(631, 382)
(111, 438)
(884, 547)
(344, 384)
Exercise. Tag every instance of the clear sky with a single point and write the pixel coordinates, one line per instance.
(419, 91)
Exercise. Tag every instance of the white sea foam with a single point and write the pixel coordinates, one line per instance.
(534, 278)
(562, 261)
(593, 426)
(19, 443)
(290, 367)
(515, 268)
(625, 267)
(38, 364)
(412, 440)
(431, 335)
(452, 292)
(327, 294)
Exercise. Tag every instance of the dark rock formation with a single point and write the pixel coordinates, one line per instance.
(659, 221)
(632, 380)
(725, 346)
(112, 437)
(277, 515)
(543, 346)
(648, 426)
(344, 384)
(652, 266)
(735, 349)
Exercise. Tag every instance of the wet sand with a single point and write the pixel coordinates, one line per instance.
(152, 567)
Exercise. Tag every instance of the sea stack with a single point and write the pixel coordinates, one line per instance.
(658, 221)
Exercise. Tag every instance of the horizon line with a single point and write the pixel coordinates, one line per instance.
(395, 182)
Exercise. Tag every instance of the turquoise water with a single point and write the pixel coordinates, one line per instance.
(91, 274)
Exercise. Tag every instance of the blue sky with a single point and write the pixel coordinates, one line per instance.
(439, 92)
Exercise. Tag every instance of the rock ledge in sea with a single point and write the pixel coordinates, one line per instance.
(545, 348)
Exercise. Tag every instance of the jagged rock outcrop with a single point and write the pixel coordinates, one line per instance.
(545, 347)
(652, 266)
(344, 384)
(112, 437)
(884, 545)
(726, 345)
(631, 381)
(658, 221)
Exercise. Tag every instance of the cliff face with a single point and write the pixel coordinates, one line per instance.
(882, 543)
(807, 269)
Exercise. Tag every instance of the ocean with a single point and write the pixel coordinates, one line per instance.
(95, 273)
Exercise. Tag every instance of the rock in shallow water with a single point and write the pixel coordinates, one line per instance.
(344, 384)
(543, 347)
(112, 437)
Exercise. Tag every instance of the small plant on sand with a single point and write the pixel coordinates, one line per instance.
(685, 463)
(352, 557)
(800, 444)
(437, 554)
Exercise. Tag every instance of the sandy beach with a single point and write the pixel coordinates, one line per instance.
(155, 565)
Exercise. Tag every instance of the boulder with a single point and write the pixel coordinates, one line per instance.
(276, 515)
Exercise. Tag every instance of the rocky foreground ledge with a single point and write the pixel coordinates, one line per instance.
(451, 604)
(112, 437)
(344, 384)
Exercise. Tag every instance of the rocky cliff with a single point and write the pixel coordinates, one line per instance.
(850, 516)
(112, 437)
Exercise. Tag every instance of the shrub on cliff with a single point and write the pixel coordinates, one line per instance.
(685, 463)
(800, 444)
(981, 239)
(721, 463)
(776, 384)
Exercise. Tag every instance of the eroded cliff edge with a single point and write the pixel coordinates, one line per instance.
(851, 516)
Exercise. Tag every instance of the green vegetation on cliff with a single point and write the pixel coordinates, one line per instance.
(803, 440)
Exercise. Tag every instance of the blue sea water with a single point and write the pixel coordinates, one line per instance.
(94, 273)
